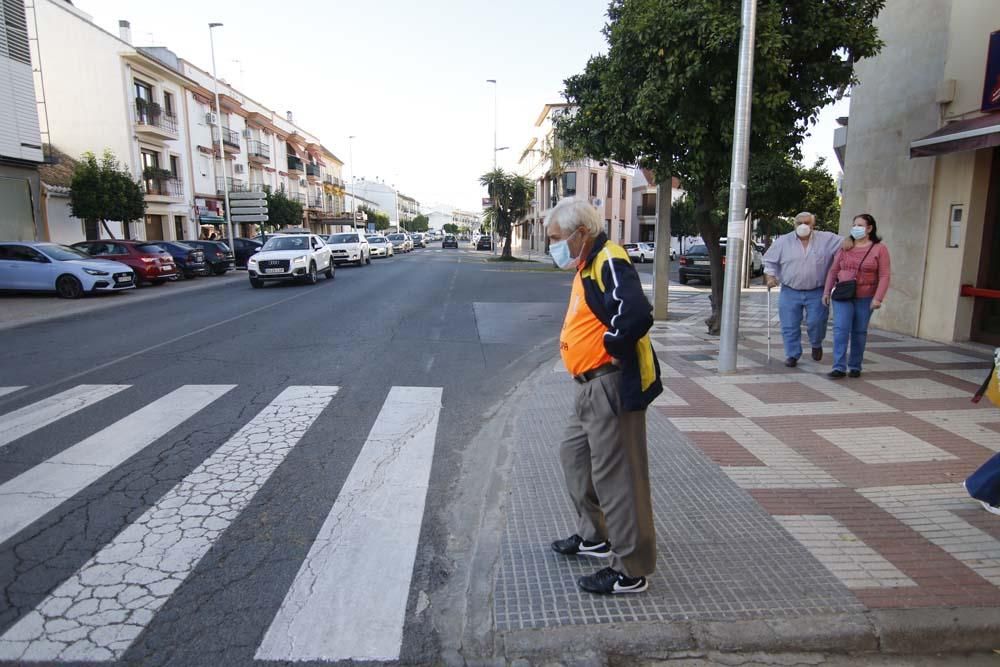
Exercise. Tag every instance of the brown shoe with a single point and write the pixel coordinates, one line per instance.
(817, 354)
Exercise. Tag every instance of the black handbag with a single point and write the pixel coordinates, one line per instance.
(845, 290)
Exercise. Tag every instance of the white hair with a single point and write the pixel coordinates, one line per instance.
(805, 216)
(571, 214)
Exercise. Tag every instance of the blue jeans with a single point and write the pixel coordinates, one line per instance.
(791, 303)
(850, 322)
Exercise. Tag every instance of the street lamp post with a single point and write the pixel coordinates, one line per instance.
(494, 82)
(350, 156)
(218, 125)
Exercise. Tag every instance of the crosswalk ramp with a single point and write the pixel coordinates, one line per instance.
(372, 529)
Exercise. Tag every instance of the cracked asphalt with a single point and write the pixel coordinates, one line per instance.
(182, 553)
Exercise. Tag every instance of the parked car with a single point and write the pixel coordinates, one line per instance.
(640, 252)
(350, 247)
(218, 255)
(485, 242)
(449, 241)
(418, 240)
(150, 263)
(694, 263)
(50, 267)
(380, 246)
(291, 257)
(756, 258)
(399, 242)
(244, 249)
(189, 259)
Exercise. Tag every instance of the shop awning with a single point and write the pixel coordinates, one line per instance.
(962, 135)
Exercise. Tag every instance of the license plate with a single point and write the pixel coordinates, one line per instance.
(121, 279)
(274, 270)
(701, 262)
(167, 267)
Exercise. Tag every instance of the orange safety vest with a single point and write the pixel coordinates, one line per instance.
(581, 342)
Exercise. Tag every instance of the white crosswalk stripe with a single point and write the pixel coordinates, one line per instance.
(371, 531)
(38, 490)
(9, 390)
(33, 417)
(98, 612)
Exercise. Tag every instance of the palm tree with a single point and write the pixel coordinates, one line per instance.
(510, 197)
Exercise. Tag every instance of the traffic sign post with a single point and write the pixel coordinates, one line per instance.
(248, 207)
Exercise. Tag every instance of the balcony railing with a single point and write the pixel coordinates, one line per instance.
(312, 170)
(256, 187)
(315, 202)
(647, 211)
(164, 187)
(295, 164)
(229, 137)
(150, 113)
(228, 184)
(258, 149)
(328, 179)
(300, 197)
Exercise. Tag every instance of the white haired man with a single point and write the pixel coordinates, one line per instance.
(605, 347)
(799, 261)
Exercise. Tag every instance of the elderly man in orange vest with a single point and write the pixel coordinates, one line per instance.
(605, 347)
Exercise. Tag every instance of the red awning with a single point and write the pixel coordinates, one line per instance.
(961, 135)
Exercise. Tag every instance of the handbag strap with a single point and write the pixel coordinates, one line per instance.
(858, 270)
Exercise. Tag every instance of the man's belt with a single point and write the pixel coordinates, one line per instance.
(593, 374)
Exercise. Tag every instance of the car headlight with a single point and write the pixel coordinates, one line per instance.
(95, 272)
(252, 260)
(300, 260)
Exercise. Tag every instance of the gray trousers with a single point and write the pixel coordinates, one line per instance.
(606, 466)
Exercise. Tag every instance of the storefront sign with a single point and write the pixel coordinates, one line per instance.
(991, 86)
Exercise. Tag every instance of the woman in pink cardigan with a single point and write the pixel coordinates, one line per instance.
(867, 262)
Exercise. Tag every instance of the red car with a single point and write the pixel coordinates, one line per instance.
(151, 263)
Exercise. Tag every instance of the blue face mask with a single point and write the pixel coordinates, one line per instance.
(858, 233)
(560, 254)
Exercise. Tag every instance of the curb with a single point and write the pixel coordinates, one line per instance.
(898, 631)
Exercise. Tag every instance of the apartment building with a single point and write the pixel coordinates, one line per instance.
(20, 137)
(645, 210)
(399, 207)
(409, 208)
(606, 186)
(921, 151)
(158, 114)
(466, 219)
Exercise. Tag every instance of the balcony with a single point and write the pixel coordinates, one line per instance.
(230, 139)
(295, 166)
(152, 122)
(312, 172)
(316, 201)
(162, 188)
(227, 184)
(258, 151)
(299, 197)
(645, 211)
(328, 179)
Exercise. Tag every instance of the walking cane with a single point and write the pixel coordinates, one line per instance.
(769, 325)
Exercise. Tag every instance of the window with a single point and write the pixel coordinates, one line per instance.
(569, 183)
(621, 230)
(610, 190)
(607, 227)
(91, 230)
(648, 204)
(623, 189)
(955, 225)
(168, 103)
(593, 184)
(150, 160)
(143, 91)
(175, 166)
(143, 101)
(179, 227)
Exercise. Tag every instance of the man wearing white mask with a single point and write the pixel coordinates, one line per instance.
(606, 348)
(799, 262)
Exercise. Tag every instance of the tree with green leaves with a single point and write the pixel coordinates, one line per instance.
(450, 228)
(419, 223)
(510, 201)
(821, 196)
(378, 218)
(282, 211)
(663, 95)
(105, 190)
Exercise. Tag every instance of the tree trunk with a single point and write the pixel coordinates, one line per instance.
(710, 235)
(506, 242)
(661, 261)
(104, 223)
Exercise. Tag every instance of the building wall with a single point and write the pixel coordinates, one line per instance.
(893, 104)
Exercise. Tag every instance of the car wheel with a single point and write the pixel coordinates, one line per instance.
(368, 259)
(683, 279)
(256, 283)
(69, 287)
(219, 270)
(312, 277)
(159, 281)
(642, 259)
(329, 271)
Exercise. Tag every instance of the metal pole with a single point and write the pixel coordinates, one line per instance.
(495, 114)
(737, 195)
(768, 325)
(354, 202)
(218, 125)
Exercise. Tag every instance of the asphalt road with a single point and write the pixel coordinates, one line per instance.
(445, 322)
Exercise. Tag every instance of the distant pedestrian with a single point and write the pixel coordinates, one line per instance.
(799, 261)
(605, 347)
(866, 262)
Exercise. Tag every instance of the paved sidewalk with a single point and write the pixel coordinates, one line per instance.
(780, 496)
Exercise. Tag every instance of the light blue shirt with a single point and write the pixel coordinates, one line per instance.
(798, 267)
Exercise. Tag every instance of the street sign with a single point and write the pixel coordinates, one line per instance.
(249, 218)
(247, 195)
(249, 210)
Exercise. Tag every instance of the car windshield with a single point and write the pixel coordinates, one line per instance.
(344, 238)
(151, 248)
(697, 250)
(287, 243)
(396, 237)
(62, 253)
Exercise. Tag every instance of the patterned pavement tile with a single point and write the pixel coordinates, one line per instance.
(883, 444)
(946, 357)
(917, 388)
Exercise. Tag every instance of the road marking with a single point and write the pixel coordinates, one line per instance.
(96, 614)
(9, 390)
(33, 417)
(33, 493)
(348, 600)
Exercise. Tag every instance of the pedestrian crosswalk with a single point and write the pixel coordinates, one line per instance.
(372, 530)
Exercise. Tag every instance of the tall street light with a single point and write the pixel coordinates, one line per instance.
(354, 201)
(218, 128)
(494, 82)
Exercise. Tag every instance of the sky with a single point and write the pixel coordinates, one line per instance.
(407, 79)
